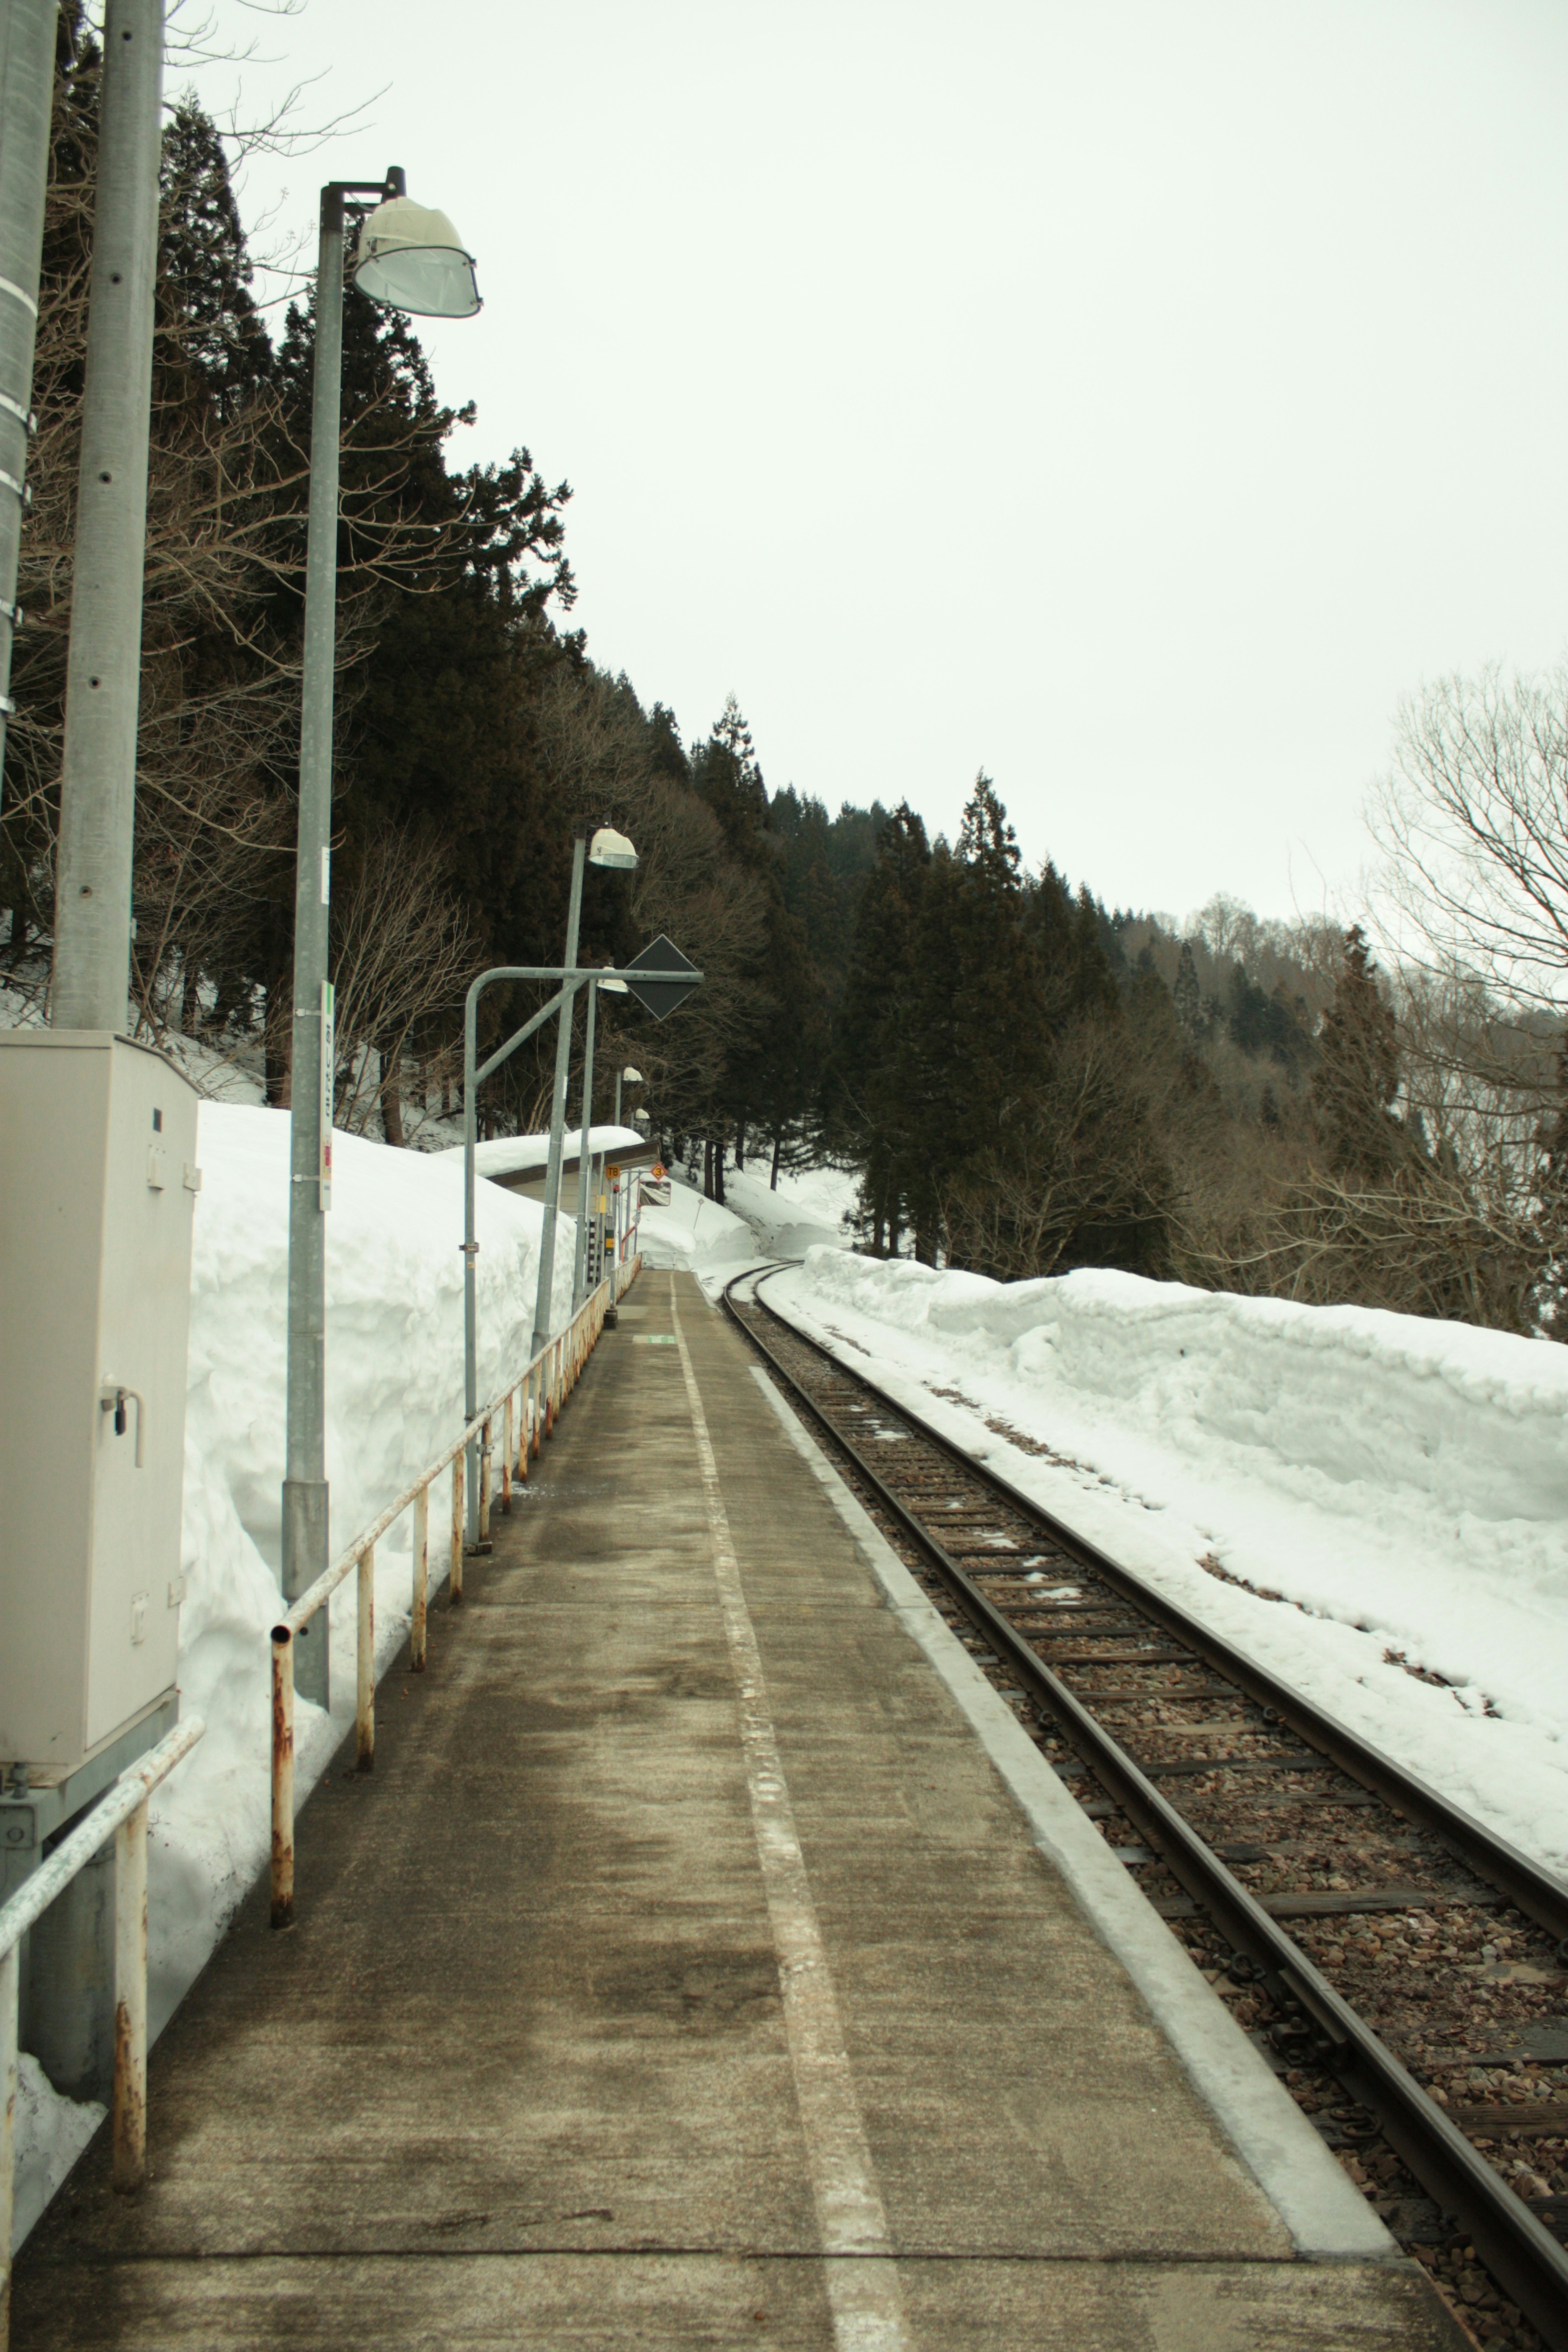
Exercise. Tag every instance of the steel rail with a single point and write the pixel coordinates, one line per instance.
(1521, 2255)
(1528, 1887)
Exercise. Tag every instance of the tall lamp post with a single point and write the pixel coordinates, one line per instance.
(586, 1190)
(410, 259)
(632, 1078)
(610, 848)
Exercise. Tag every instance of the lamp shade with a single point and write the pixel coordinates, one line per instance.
(611, 849)
(614, 988)
(640, 1119)
(412, 258)
(631, 1077)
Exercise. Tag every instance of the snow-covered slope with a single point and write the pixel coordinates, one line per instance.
(1399, 1485)
(757, 1221)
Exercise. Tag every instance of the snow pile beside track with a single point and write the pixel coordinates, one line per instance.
(1400, 1486)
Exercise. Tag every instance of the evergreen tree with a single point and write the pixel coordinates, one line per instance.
(870, 1120)
(206, 310)
(1187, 996)
(1356, 1080)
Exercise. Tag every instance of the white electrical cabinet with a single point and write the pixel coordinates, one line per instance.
(98, 1182)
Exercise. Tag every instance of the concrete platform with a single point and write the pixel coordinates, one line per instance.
(689, 1974)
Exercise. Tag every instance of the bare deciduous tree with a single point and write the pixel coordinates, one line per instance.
(401, 958)
(1473, 822)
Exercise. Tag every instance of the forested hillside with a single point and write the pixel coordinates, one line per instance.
(1025, 1079)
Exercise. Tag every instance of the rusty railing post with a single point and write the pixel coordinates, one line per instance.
(485, 1482)
(420, 1579)
(455, 1582)
(506, 1458)
(536, 1411)
(129, 2168)
(282, 1777)
(364, 1707)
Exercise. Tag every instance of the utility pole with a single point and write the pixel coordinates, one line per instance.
(103, 668)
(26, 97)
(87, 1058)
(558, 1100)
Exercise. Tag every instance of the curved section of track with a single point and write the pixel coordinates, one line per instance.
(1248, 1806)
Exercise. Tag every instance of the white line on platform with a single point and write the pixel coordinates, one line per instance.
(1326, 2216)
(863, 2294)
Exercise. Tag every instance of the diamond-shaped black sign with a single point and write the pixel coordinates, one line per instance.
(661, 996)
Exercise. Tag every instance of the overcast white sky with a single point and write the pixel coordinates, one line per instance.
(1135, 399)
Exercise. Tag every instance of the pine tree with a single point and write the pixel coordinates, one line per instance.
(206, 312)
(1188, 996)
(871, 1120)
(1356, 1080)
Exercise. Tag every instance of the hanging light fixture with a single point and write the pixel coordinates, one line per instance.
(412, 258)
(609, 847)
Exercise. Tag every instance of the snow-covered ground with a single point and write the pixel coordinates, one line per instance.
(697, 1235)
(1395, 1489)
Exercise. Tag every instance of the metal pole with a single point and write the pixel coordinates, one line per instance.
(103, 667)
(471, 1075)
(585, 1158)
(558, 1106)
(305, 1498)
(129, 2129)
(27, 94)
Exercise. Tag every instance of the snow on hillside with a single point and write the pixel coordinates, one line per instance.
(697, 1235)
(1398, 1487)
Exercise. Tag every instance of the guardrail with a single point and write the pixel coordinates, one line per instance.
(538, 1393)
(122, 1816)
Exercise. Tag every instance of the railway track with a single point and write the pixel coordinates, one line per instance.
(1404, 1972)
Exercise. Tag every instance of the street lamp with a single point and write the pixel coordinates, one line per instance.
(585, 1150)
(632, 1078)
(607, 847)
(409, 258)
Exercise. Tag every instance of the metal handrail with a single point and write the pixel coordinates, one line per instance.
(539, 1392)
(122, 1816)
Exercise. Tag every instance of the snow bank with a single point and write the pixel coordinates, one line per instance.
(807, 1211)
(394, 1397)
(694, 1232)
(1403, 1485)
(51, 2133)
(696, 1235)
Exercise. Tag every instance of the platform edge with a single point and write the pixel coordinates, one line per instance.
(1326, 2216)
